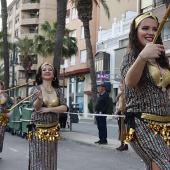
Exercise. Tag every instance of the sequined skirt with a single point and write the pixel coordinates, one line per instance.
(43, 138)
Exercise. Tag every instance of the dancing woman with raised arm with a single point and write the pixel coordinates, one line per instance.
(48, 103)
(146, 75)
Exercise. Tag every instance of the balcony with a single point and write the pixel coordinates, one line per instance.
(29, 21)
(30, 34)
(27, 5)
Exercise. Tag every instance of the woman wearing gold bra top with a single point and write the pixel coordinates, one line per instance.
(146, 74)
(4, 101)
(48, 103)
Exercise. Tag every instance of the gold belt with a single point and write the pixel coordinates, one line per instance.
(3, 119)
(47, 125)
(151, 117)
(158, 124)
(46, 132)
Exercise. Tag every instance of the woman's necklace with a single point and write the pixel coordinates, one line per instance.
(48, 91)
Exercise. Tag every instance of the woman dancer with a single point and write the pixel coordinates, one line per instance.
(146, 74)
(48, 103)
(5, 100)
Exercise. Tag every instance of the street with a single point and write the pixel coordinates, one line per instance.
(71, 154)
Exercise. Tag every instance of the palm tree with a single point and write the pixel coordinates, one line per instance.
(60, 32)
(2, 72)
(5, 43)
(84, 8)
(45, 45)
(25, 49)
(2, 46)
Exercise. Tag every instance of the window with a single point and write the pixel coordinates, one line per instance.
(73, 60)
(71, 87)
(80, 101)
(79, 86)
(73, 33)
(99, 65)
(34, 14)
(83, 56)
(10, 25)
(17, 19)
(16, 33)
(10, 12)
(65, 63)
(33, 29)
(74, 13)
(17, 5)
(82, 32)
(68, 16)
(159, 2)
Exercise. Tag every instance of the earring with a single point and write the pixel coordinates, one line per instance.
(54, 78)
(39, 79)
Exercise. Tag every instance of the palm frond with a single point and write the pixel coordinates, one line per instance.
(104, 4)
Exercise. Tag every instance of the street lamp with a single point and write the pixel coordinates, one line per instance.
(13, 62)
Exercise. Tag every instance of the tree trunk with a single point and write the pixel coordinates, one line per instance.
(5, 42)
(91, 61)
(85, 15)
(26, 78)
(61, 16)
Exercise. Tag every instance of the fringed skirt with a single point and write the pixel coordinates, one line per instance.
(150, 146)
(43, 137)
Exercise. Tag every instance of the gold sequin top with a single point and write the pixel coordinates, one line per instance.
(54, 102)
(160, 80)
(3, 101)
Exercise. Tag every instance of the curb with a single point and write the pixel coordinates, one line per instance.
(129, 152)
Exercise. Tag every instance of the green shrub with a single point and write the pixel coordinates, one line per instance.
(90, 106)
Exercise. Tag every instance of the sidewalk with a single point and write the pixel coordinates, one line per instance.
(87, 139)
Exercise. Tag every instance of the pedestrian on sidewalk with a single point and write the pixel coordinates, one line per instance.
(101, 107)
(120, 110)
(146, 74)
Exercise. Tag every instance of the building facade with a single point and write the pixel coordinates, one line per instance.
(24, 20)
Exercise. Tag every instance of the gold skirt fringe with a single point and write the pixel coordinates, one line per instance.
(46, 132)
(158, 124)
(3, 119)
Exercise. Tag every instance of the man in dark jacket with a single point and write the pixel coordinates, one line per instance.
(101, 107)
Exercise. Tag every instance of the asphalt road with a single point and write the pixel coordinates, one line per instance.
(73, 155)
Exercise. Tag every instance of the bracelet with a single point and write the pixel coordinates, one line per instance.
(144, 60)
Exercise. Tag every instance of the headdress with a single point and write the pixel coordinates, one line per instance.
(142, 17)
(47, 63)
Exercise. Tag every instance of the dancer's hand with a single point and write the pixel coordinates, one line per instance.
(38, 94)
(9, 114)
(152, 51)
